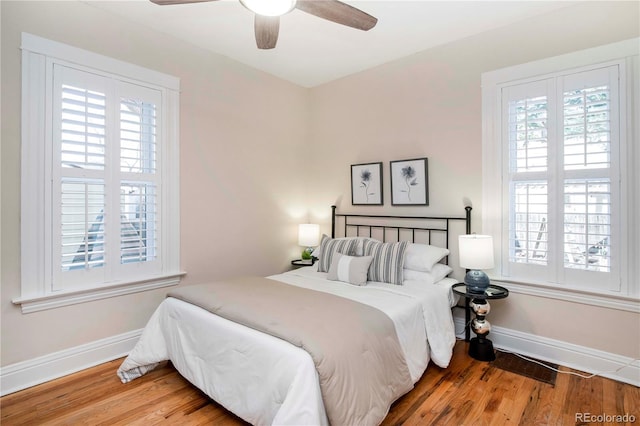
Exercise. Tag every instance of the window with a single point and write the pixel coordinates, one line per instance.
(558, 167)
(99, 153)
(562, 159)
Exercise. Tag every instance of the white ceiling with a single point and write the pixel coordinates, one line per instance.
(312, 51)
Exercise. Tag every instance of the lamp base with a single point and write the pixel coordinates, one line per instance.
(477, 281)
(481, 349)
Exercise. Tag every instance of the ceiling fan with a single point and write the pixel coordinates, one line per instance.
(268, 12)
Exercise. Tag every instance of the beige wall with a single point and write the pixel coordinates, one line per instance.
(242, 134)
(429, 104)
(252, 146)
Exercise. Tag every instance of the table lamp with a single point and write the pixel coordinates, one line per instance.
(476, 253)
(308, 237)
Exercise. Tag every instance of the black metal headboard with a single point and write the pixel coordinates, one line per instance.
(401, 224)
(423, 229)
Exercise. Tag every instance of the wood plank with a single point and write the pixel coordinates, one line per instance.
(467, 392)
(560, 396)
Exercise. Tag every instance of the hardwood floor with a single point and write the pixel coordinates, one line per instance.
(468, 392)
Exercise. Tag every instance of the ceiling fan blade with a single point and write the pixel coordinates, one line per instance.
(338, 12)
(168, 2)
(266, 28)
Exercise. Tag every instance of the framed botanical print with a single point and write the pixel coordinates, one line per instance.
(409, 182)
(366, 184)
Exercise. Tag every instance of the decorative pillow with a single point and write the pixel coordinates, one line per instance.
(438, 272)
(360, 245)
(388, 261)
(359, 251)
(349, 269)
(329, 246)
(422, 257)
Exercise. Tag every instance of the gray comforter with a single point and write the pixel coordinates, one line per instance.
(355, 348)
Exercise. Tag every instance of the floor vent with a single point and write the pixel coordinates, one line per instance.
(515, 364)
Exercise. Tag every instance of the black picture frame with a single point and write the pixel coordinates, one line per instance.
(366, 184)
(409, 182)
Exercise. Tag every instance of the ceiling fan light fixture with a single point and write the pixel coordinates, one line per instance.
(269, 7)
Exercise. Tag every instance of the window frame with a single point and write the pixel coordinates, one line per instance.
(495, 153)
(39, 56)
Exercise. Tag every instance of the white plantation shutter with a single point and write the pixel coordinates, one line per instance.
(105, 148)
(528, 233)
(140, 182)
(138, 204)
(590, 176)
(79, 201)
(562, 166)
(81, 130)
(138, 128)
(82, 224)
(527, 111)
(528, 134)
(587, 221)
(82, 127)
(587, 119)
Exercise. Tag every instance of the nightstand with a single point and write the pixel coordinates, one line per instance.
(480, 347)
(303, 262)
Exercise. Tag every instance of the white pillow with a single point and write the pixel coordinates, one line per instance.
(422, 257)
(437, 273)
(349, 269)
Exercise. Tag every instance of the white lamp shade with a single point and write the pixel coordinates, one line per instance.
(475, 251)
(308, 234)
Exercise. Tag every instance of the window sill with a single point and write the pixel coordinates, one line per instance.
(57, 300)
(611, 301)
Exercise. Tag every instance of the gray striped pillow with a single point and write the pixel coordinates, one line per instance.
(388, 261)
(329, 246)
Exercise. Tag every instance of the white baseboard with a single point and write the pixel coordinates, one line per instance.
(29, 373)
(35, 371)
(581, 358)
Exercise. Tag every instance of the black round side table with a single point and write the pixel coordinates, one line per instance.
(480, 347)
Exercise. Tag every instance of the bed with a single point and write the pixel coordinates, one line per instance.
(284, 376)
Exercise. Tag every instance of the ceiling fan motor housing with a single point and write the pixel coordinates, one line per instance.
(269, 8)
